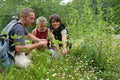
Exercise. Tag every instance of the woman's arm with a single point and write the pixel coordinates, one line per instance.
(64, 41)
(52, 39)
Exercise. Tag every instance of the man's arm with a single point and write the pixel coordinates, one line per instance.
(28, 48)
(33, 38)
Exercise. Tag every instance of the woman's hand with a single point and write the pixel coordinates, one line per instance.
(64, 52)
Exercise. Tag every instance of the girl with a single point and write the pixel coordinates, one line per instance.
(42, 32)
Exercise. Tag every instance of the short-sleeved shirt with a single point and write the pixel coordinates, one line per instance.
(64, 31)
(17, 36)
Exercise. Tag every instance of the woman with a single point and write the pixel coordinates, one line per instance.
(42, 32)
(59, 31)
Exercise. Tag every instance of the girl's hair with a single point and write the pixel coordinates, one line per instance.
(41, 19)
(55, 17)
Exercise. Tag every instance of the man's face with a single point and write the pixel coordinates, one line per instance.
(29, 20)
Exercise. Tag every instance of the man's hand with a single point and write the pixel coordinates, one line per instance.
(43, 43)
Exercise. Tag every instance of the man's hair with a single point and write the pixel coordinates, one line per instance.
(26, 11)
(41, 19)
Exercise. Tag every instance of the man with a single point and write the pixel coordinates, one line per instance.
(17, 45)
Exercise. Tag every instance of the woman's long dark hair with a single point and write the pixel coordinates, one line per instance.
(55, 17)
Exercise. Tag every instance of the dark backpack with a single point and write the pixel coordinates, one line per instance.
(6, 60)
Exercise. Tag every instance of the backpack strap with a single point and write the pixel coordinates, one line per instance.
(7, 29)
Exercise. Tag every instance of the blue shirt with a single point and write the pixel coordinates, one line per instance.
(17, 36)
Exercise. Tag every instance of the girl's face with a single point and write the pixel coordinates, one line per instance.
(41, 25)
(55, 24)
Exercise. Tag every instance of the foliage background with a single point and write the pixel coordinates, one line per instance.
(68, 12)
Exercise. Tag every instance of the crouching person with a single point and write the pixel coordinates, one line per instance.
(17, 35)
(60, 32)
(42, 32)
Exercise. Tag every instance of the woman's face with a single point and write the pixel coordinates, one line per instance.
(55, 24)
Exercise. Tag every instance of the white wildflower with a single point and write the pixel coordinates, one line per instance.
(54, 74)
(47, 79)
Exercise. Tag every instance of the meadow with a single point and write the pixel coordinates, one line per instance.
(95, 53)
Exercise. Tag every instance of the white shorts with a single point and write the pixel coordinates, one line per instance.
(22, 61)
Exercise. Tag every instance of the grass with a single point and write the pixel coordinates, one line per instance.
(94, 55)
(93, 59)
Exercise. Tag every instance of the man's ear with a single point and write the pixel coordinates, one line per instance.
(22, 16)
